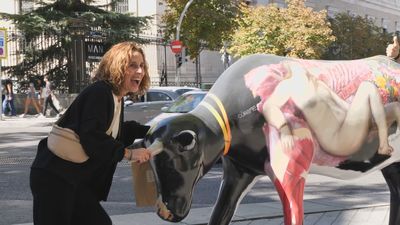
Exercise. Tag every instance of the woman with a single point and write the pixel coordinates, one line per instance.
(40, 90)
(67, 193)
(392, 50)
(9, 98)
(31, 99)
(49, 97)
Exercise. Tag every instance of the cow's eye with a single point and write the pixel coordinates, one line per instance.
(186, 139)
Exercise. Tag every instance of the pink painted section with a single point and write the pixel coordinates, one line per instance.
(343, 78)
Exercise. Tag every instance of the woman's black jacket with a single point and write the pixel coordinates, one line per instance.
(90, 116)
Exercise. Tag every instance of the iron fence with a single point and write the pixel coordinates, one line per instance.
(164, 73)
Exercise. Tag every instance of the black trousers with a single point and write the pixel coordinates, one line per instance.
(49, 101)
(57, 202)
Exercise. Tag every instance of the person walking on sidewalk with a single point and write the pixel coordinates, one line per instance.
(31, 98)
(68, 193)
(8, 101)
(40, 88)
(392, 50)
(48, 97)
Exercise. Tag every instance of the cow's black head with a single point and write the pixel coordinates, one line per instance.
(181, 163)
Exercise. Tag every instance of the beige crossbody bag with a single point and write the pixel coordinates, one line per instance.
(65, 143)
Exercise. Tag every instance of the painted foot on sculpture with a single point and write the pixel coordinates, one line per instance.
(385, 150)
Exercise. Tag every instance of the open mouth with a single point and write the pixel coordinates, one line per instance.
(136, 81)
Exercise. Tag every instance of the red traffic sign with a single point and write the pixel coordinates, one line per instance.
(176, 46)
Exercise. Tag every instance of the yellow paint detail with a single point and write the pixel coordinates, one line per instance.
(222, 121)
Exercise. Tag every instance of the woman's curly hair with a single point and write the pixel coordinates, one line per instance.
(114, 64)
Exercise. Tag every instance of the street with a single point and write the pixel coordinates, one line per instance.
(19, 137)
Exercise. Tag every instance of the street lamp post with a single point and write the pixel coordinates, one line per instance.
(178, 29)
(77, 57)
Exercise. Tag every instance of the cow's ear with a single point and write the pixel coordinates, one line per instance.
(186, 139)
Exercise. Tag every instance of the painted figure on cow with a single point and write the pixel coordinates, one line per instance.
(276, 116)
(302, 87)
(311, 106)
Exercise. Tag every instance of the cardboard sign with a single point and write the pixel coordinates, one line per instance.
(144, 184)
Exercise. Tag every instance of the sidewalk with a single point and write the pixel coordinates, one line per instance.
(350, 209)
(28, 121)
(353, 211)
(271, 213)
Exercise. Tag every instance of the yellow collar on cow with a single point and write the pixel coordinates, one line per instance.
(222, 121)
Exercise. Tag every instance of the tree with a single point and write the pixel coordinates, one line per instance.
(48, 30)
(205, 25)
(356, 37)
(296, 31)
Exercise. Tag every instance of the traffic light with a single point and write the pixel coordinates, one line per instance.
(178, 60)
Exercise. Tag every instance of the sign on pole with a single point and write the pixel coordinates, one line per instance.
(3, 43)
(176, 46)
(94, 50)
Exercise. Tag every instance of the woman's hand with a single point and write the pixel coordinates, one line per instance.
(287, 139)
(139, 155)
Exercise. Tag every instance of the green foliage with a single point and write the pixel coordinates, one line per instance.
(356, 37)
(296, 31)
(205, 25)
(47, 34)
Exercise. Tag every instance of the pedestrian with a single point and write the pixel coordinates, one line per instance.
(392, 50)
(40, 88)
(3, 92)
(48, 97)
(31, 99)
(68, 193)
(8, 102)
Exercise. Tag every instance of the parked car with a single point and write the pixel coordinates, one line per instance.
(183, 104)
(149, 105)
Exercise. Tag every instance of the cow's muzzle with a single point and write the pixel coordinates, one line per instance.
(163, 212)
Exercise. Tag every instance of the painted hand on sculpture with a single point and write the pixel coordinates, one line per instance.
(287, 138)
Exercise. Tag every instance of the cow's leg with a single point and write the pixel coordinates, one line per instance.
(235, 182)
(290, 169)
(392, 177)
(291, 194)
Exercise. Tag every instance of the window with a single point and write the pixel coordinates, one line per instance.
(384, 23)
(157, 96)
(371, 18)
(332, 11)
(26, 6)
(181, 91)
(122, 6)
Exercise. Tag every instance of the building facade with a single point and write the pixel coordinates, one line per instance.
(385, 14)
(209, 66)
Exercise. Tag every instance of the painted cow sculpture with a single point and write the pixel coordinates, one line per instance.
(229, 123)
